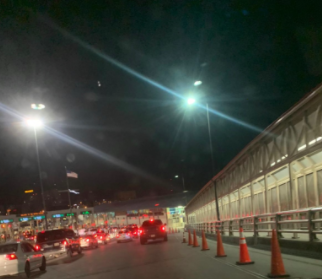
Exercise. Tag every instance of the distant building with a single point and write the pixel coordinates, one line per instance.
(125, 195)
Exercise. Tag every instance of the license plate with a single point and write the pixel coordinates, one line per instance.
(152, 235)
(56, 244)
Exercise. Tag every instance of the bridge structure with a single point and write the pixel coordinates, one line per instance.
(274, 182)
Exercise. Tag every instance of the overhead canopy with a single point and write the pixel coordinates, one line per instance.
(174, 200)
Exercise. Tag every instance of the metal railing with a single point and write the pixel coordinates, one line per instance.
(305, 221)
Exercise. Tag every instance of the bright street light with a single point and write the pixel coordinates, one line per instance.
(34, 123)
(176, 176)
(37, 106)
(191, 101)
(197, 83)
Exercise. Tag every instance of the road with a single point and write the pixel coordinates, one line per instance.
(172, 259)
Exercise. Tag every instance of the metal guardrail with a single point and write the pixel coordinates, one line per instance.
(304, 221)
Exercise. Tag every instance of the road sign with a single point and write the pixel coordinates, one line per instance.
(58, 215)
(25, 219)
(70, 214)
(39, 217)
(6, 221)
(29, 191)
(29, 214)
(86, 212)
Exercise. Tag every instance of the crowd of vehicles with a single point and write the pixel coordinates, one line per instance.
(34, 251)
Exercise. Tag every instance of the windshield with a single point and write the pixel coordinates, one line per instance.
(198, 122)
(8, 248)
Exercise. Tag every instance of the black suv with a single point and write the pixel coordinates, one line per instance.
(62, 240)
(152, 230)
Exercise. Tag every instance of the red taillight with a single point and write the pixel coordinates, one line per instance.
(151, 220)
(11, 257)
(37, 247)
(140, 231)
(128, 234)
(87, 240)
(95, 235)
(32, 238)
(65, 242)
(162, 228)
(134, 233)
(42, 231)
(101, 237)
(117, 236)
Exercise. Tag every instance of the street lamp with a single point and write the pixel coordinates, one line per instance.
(191, 101)
(197, 83)
(36, 124)
(184, 188)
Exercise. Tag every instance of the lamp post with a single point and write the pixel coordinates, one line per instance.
(191, 101)
(36, 124)
(182, 178)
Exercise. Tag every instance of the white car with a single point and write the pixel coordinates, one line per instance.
(20, 257)
(123, 236)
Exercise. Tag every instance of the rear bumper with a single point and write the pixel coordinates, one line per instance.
(153, 236)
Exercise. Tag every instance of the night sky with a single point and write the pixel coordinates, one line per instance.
(114, 75)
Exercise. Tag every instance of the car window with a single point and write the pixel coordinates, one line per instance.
(69, 234)
(8, 248)
(26, 248)
(50, 236)
(31, 247)
(151, 223)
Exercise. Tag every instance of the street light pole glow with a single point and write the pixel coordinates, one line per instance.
(197, 83)
(34, 123)
(191, 101)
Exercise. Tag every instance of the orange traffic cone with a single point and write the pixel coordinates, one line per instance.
(277, 265)
(189, 238)
(204, 242)
(184, 239)
(195, 240)
(243, 252)
(220, 246)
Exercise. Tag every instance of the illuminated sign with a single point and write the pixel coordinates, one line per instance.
(70, 214)
(25, 219)
(29, 214)
(86, 212)
(6, 221)
(29, 191)
(58, 215)
(39, 217)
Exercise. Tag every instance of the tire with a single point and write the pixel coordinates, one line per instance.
(70, 253)
(79, 250)
(142, 241)
(43, 264)
(166, 238)
(27, 270)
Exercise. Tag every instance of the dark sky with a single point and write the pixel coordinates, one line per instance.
(255, 59)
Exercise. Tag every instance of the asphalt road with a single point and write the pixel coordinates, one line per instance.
(172, 259)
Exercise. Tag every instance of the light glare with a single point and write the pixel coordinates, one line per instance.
(197, 83)
(191, 101)
(35, 123)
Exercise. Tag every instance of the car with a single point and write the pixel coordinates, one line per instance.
(89, 241)
(103, 238)
(134, 232)
(123, 236)
(152, 230)
(19, 257)
(60, 243)
(92, 231)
